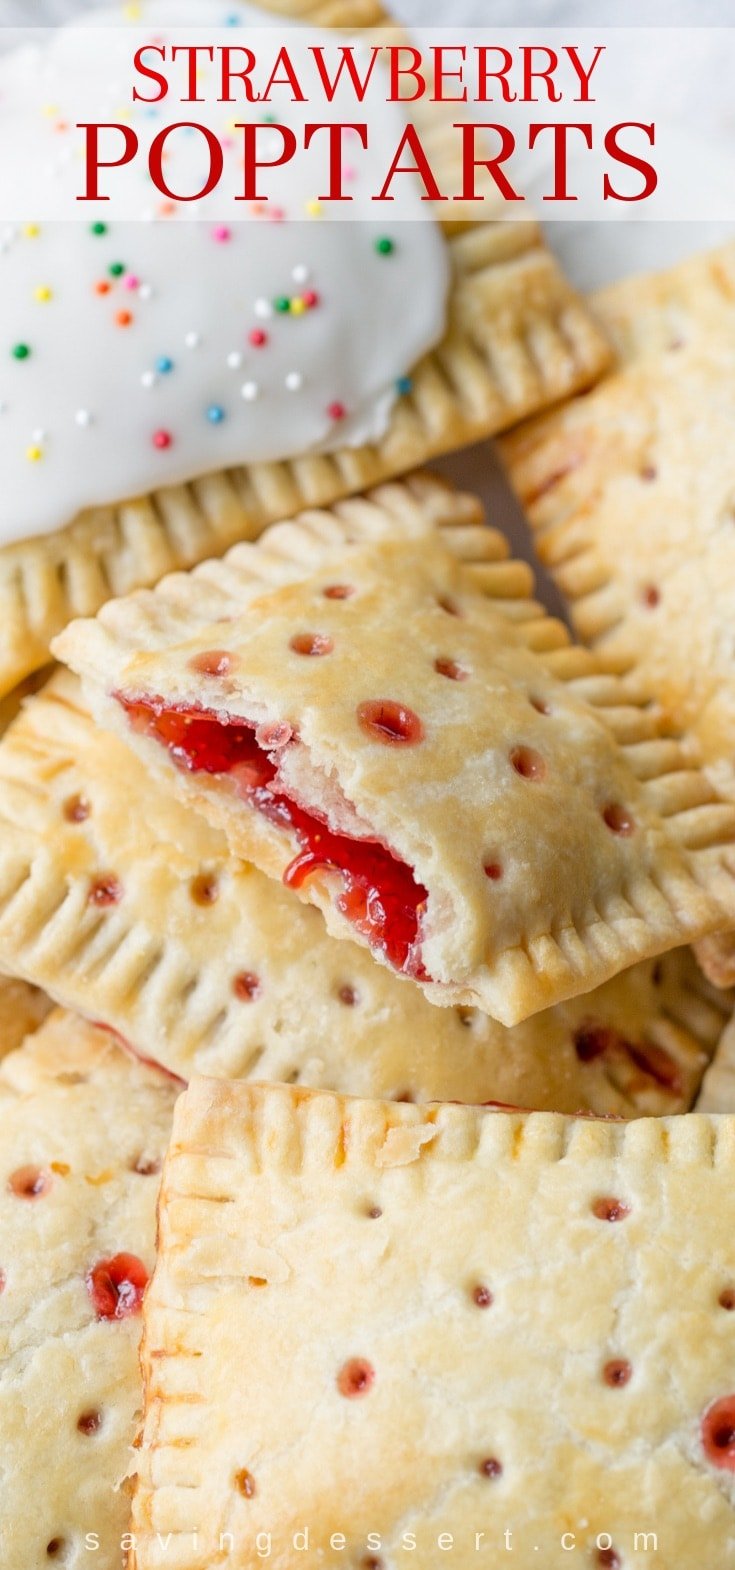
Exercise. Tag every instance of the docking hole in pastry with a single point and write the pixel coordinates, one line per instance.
(505, 840)
(206, 965)
(83, 1130)
(456, 1307)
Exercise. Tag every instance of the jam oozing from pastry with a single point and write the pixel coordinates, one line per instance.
(116, 1286)
(380, 895)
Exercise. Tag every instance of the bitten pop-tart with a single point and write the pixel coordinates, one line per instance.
(374, 710)
(127, 906)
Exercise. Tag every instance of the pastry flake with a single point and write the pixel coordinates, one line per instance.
(82, 1136)
(207, 965)
(424, 1276)
(373, 709)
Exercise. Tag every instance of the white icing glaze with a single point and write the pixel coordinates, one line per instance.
(106, 405)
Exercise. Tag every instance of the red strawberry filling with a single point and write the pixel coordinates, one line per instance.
(380, 895)
(116, 1286)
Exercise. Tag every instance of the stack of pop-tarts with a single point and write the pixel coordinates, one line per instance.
(342, 854)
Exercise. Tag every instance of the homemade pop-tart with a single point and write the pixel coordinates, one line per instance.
(630, 495)
(128, 907)
(83, 1131)
(373, 710)
(153, 413)
(379, 1331)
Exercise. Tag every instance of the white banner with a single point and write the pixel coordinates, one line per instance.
(101, 122)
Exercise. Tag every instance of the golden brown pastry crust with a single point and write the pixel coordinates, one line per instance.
(487, 1320)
